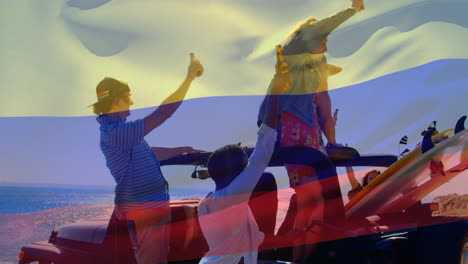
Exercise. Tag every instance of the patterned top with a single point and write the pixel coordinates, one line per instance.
(133, 164)
(307, 72)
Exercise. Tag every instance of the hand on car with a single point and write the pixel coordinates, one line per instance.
(190, 150)
(335, 144)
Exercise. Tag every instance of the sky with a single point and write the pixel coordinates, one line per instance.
(57, 51)
(404, 65)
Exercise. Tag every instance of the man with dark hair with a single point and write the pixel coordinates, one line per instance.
(141, 194)
(224, 215)
(226, 162)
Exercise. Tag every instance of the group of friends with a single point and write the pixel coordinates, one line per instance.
(295, 113)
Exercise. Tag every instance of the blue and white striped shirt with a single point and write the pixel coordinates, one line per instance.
(133, 164)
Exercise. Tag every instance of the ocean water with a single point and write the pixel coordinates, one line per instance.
(27, 199)
(34, 198)
(28, 213)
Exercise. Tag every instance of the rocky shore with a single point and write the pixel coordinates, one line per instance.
(452, 205)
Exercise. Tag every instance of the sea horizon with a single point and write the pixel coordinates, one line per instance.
(33, 197)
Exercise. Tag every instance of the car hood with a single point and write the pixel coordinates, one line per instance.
(90, 231)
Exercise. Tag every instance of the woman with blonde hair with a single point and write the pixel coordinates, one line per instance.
(305, 112)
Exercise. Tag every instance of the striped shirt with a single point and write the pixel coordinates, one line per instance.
(133, 164)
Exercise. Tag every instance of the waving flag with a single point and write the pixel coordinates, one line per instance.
(404, 65)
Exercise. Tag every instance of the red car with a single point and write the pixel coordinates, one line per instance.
(406, 230)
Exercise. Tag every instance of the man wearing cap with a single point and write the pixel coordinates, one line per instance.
(141, 193)
(305, 113)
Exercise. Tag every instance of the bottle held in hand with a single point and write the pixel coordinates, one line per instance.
(282, 81)
(192, 56)
(282, 66)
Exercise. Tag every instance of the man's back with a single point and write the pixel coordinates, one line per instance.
(133, 164)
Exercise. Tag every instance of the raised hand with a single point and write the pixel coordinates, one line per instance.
(358, 5)
(195, 68)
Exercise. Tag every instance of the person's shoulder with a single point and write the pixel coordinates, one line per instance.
(206, 198)
(206, 205)
(128, 126)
